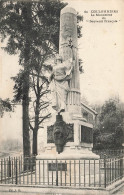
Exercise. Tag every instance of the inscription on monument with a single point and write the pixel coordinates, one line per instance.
(57, 167)
(86, 134)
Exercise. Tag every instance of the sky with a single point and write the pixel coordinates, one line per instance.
(101, 49)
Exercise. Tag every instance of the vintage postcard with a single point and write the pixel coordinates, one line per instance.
(61, 97)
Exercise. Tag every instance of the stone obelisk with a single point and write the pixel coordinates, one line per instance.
(67, 49)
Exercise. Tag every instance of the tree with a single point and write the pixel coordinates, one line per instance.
(5, 106)
(39, 100)
(112, 116)
(32, 31)
(109, 133)
(16, 26)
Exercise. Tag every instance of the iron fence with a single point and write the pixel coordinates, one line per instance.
(98, 173)
(110, 153)
(113, 170)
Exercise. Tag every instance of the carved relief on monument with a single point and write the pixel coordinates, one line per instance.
(60, 133)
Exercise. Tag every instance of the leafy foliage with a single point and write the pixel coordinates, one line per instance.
(110, 130)
(5, 106)
(111, 117)
(40, 26)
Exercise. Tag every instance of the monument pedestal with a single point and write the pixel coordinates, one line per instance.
(76, 148)
(75, 163)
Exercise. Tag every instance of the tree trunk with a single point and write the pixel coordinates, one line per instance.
(36, 118)
(25, 105)
(25, 102)
(35, 142)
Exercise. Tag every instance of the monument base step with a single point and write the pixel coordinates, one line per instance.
(70, 154)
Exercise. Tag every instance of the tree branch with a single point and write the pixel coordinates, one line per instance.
(45, 117)
(31, 127)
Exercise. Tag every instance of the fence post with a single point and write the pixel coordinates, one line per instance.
(65, 172)
(1, 170)
(16, 177)
(110, 171)
(99, 173)
(9, 167)
(5, 170)
(56, 173)
(121, 167)
(105, 171)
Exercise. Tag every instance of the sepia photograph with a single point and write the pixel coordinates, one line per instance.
(61, 97)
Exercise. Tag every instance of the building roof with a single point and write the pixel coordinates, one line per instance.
(88, 108)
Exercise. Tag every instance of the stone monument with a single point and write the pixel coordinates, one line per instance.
(68, 135)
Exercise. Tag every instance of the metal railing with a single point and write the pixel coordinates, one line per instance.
(110, 153)
(82, 173)
(113, 170)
